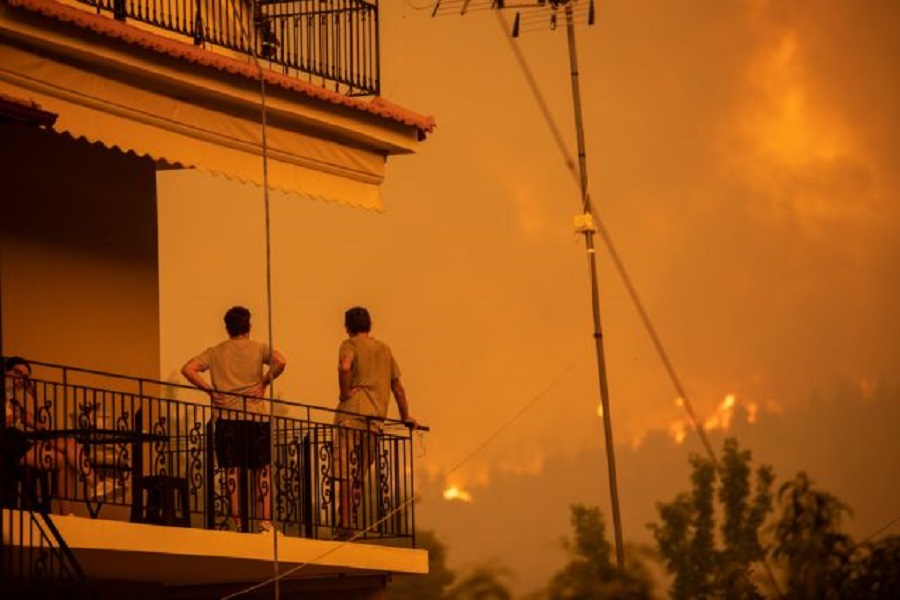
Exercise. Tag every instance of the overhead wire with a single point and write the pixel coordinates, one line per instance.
(525, 408)
(623, 273)
(614, 255)
(494, 435)
(878, 531)
(608, 241)
(500, 430)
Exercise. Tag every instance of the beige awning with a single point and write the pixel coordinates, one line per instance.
(202, 128)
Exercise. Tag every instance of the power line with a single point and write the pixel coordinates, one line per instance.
(530, 404)
(608, 241)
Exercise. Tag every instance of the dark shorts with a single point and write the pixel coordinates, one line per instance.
(242, 443)
(14, 444)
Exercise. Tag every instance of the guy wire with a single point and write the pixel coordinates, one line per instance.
(607, 240)
(623, 273)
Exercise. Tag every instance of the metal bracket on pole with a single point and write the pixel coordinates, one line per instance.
(584, 223)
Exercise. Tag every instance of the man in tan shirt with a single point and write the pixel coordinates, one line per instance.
(237, 389)
(367, 375)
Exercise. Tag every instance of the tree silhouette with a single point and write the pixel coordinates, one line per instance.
(875, 571)
(483, 582)
(815, 554)
(590, 573)
(686, 534)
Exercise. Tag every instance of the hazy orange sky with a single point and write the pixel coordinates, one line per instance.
(743, 156)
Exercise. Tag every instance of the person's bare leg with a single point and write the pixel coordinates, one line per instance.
(356, 459)
(77, 464)
(346, 514)
(66, 484)
(231, 482)
(51, 460)
(263, 489)
(342, 478)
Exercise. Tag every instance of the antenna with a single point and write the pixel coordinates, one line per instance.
(541, 15)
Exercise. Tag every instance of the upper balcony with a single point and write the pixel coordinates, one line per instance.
(222, 86)
(333, 43)
(140, 471)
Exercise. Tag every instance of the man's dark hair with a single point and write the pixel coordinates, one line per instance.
(357, 320)
(237, 321)
(13, 361)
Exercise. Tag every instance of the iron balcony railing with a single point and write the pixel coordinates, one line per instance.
(334, 43)
(34, 559)
(149, 451)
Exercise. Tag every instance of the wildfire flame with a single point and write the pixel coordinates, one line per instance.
(456, 493)
(678, 431)
(721, 418)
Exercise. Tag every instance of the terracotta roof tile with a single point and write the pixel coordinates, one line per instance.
(132, 35)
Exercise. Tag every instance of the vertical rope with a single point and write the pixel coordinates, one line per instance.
(252, 40)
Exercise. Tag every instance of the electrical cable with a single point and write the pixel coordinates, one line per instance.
(417, 496)
(607, 240)
(881, 529)
(623, 273)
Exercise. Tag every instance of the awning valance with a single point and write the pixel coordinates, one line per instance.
(187, 129)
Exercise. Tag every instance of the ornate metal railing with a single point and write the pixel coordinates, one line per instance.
(150, 451)
(331, 42)
(35, 561)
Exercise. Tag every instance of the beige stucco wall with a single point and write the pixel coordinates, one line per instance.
(78, 253)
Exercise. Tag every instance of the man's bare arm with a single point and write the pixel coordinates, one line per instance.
(345, 376)
(402, 403)
(191, 371)
(276, 367)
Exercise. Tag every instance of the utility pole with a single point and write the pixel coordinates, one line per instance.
(584, 223)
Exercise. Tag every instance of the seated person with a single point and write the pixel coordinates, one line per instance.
(64, 456)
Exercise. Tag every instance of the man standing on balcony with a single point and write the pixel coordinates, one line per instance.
(367, 374)
(237, 391)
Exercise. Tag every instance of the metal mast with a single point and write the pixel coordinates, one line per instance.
(584, 223)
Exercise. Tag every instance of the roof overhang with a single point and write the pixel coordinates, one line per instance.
(20, 110)
(136, 91)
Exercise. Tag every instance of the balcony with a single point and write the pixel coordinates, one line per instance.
(331, 42)
(168, 513)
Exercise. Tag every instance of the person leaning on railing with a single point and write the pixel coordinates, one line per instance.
(367, 375)
(238, 386)
(60, 456)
